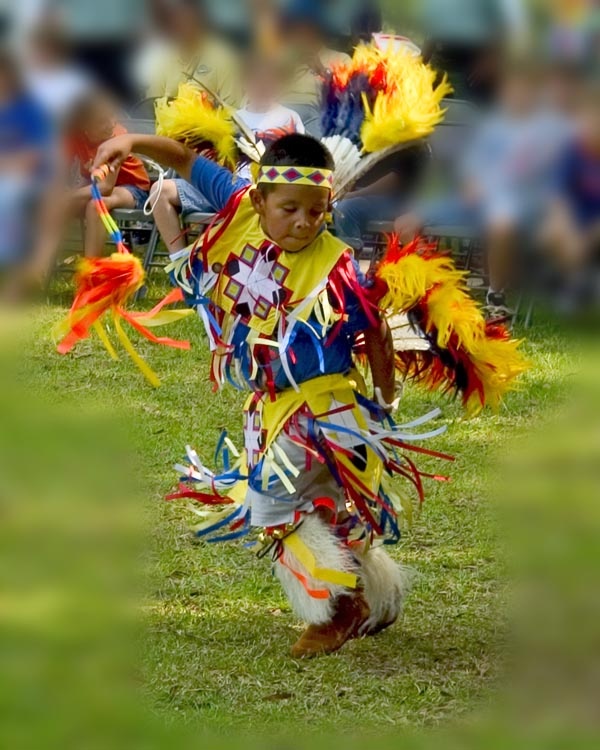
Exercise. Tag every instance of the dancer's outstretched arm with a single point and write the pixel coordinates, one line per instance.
(216, 183)
(380, 353)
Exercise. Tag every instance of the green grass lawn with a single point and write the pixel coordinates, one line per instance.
(218, 628)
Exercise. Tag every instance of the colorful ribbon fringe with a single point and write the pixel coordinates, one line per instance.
(104, 286)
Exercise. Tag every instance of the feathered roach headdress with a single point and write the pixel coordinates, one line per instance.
(375, 104)
(378, 102)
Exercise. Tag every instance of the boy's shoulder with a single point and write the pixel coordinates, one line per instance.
(333, 244)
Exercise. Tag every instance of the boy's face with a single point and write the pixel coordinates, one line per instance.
(292, 215)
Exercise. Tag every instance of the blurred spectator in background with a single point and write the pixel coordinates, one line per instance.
(563, 88)
(25, 140)
(238, 20)
(102, 38)
(93, 123)
(380, 195)
(5, 23)
(467, 38)
(573, 29)
(54, 80)
(309, 57)
(263, 115)
(349, 21)
(262, 112)
(572, 230)
(366, 20)
(506, 178)
(194, 53)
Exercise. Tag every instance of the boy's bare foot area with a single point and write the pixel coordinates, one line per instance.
(352, 612)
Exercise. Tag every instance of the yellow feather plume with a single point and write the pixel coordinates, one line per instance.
(192, 119)
(409, 108)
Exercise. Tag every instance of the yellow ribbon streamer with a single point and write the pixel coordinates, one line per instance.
(164, 318)
(102, 335)
(301, 552)
(147, 372)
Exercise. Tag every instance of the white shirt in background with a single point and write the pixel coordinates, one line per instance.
(269, 127)
(58, 90)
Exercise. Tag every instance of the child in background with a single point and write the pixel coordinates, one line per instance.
(93, 123)
(262, 114)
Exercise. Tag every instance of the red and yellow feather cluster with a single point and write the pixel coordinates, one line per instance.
(479, 359)
(104, 287)
(388, 96)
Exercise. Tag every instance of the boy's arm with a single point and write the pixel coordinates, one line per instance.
(380, 353)
(216, 183)
(105, 186)
(165, 151)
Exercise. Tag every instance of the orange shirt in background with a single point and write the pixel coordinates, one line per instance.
(132, 171)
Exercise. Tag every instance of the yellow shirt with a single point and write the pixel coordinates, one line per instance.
(215, 65)
(305, 85)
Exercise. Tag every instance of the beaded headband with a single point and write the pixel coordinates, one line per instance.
(312, 176)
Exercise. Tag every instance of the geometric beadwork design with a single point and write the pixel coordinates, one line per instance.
(296, 176)
(256, 281)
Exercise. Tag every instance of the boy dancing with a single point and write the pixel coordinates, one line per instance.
(284, 303)
(287, 313)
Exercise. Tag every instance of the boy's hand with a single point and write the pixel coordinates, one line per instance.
(114, 152)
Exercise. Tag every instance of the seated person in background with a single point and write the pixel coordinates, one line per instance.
(309, 58)
(195, 53)
(467, 38)
(263, 115)
(25, 141)
(379, 195)
(572, 229)
(262, 112)
(92, 124)
(505, 178)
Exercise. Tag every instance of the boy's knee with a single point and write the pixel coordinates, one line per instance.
(155, 193)
(165, 195)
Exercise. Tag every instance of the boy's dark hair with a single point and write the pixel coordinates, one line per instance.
(296, 150)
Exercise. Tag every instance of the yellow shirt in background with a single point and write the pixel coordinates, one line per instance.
(304, 86)
(215, 65)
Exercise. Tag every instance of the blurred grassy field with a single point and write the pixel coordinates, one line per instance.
(217, 628)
